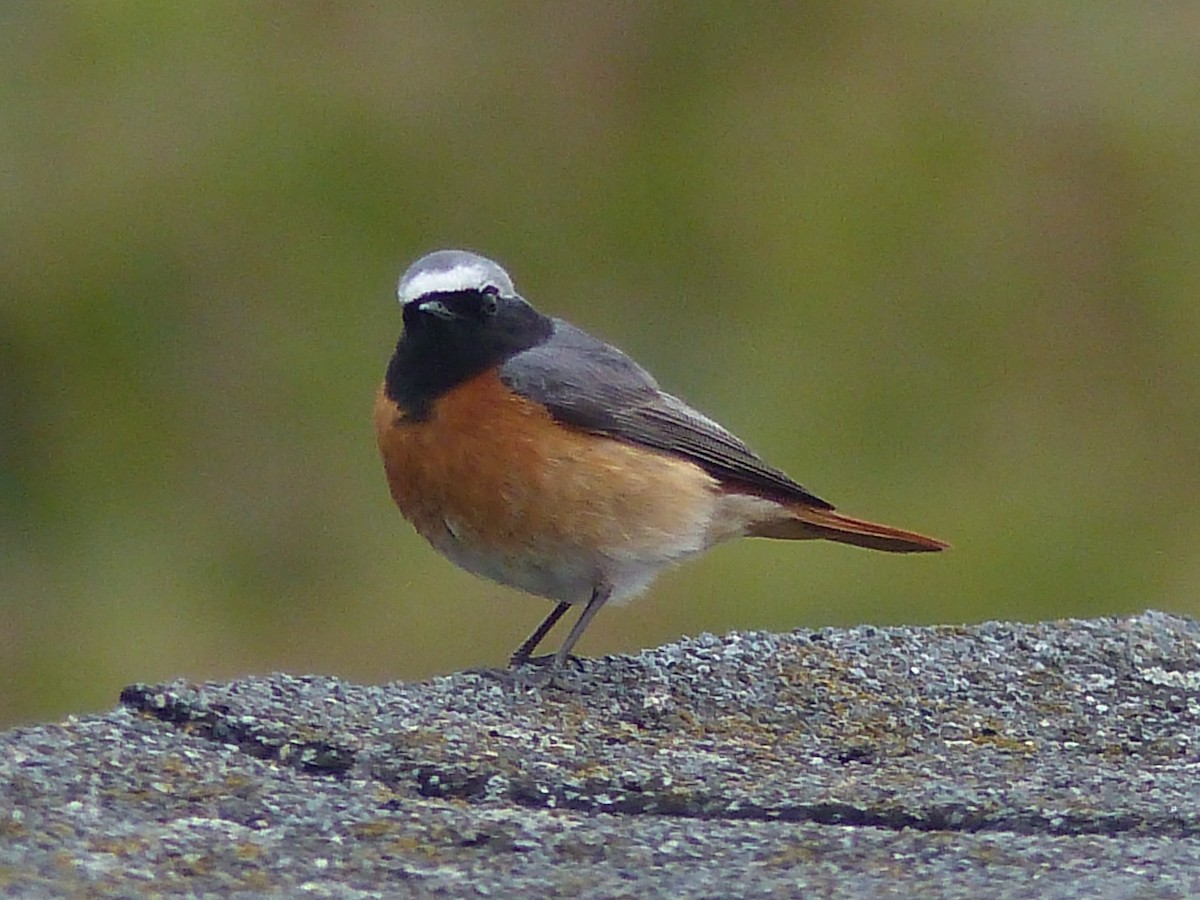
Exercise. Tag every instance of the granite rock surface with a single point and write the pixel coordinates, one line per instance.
(1059, 759)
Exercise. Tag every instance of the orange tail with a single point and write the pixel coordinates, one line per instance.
(810, 523)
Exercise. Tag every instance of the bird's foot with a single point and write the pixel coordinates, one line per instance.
(547, 660)
(542, 671)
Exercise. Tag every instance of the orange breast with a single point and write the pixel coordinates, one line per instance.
(490, 475)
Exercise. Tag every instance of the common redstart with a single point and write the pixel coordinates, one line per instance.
(531, 453)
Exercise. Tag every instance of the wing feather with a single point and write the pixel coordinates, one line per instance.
(589, 384)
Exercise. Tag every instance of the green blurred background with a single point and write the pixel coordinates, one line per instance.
(939, 261)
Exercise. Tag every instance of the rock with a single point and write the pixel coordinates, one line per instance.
(1049, 760)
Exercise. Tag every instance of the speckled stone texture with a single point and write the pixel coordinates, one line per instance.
(998, 760)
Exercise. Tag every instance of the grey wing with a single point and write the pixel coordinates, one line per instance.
(589, 384)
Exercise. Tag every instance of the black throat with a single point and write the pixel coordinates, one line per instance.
(435, 355)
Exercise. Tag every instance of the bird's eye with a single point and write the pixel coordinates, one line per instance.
(489, 302)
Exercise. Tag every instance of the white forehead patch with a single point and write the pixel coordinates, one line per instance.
(447, 271)
(442, 281)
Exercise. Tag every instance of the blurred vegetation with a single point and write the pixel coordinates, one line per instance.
(940, 262)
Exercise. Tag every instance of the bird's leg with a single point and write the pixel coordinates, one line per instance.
(523, 654)
(600, 595)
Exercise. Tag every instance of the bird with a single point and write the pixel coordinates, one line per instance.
(531, 453)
